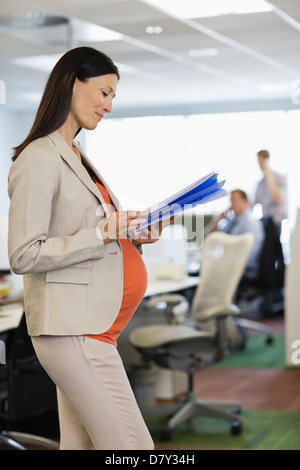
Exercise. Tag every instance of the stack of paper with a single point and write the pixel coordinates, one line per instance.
(204, 190)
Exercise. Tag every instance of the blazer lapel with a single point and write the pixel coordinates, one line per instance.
(69, 156)
(114, 199)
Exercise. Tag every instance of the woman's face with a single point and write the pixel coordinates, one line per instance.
(92, 99)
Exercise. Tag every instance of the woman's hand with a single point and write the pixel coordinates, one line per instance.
(152, 233)
(121, 224)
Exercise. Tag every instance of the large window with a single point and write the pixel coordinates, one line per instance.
(146, 159)
(142, 159)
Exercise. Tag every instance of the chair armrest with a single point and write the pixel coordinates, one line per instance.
(170, 299)
(217, 311)
(175, 306)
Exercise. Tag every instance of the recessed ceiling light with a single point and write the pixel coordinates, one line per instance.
(154, 30)
(200, 9)
(204, 52)
(32, 19)
(86, 31)
(44, 63)
(82, 31)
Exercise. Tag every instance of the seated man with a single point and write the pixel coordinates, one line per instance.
(239, 219)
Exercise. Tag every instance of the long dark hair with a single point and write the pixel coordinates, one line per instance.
(82, 63)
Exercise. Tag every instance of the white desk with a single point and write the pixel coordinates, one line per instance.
(163, 286)
(11, 313)
(10, 316)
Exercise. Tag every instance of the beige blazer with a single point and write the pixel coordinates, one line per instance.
(73, 282)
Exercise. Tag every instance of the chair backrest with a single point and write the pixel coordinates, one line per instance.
(223, 261)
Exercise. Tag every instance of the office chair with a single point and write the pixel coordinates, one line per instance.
(209, 334)
(264, 297)
(26, 391)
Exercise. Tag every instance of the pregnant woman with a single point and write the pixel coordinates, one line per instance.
(83, 276)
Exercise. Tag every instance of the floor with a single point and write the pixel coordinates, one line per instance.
(267, 389)
(260, 389)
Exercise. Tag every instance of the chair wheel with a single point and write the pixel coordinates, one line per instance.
(166, 434)
(236, 410)
(270, 340)
(236, 428)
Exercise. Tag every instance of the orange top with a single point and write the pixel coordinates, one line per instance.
(134, 283)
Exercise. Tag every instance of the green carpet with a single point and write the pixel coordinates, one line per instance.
(262, 430)
(257, 354)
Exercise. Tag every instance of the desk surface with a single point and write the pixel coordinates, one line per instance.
(163, 286)
(10, 314)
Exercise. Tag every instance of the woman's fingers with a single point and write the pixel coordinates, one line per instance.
(121, 224)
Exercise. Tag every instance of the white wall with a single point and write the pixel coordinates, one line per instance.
(14, 128)
(7, 125)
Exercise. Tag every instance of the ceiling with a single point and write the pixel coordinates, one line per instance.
(198, 64)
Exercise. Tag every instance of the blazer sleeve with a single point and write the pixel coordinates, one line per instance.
(32, 184)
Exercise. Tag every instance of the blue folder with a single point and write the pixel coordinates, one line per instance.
(202, 191)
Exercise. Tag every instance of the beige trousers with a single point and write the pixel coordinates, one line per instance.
(96, 406)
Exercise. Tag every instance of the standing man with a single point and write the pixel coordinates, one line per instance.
(271, 191)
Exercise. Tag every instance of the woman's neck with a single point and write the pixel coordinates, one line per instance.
(67, 134)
